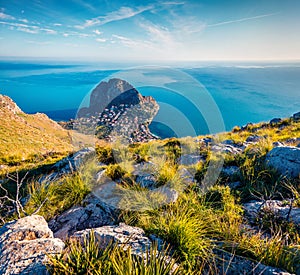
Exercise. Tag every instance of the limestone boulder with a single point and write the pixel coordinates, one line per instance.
(25, 245)
(285, 159)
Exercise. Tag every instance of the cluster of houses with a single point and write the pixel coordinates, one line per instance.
(124, 120)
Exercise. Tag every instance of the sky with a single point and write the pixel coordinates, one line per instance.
(127, 30)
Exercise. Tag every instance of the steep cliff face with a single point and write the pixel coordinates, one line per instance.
(112, 93)
(117, 110)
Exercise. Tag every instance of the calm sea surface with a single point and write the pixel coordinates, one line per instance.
(242, 92)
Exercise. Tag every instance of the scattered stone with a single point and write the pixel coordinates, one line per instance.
(144, 175)
(68, 164)
(25, 244)
(99, 176)
(275, 121)
(189, 159)
(230, 170)
(296, 116)
(73, 162)
(228, 263)
(247, 126)
(170, 195)
(235, 185)
(228, 141)
(277, 144)
(186, 176)
(285, 159)
(146, 181)
(92, 213)
(254, 138)
(279, 208)
(125, 236)
(207, 140)
(225, 148)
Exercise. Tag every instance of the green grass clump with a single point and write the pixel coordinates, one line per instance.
(52, 198)
(183, 225)
(89, 258)
(105, 154)
(115, 171)
(57, 196)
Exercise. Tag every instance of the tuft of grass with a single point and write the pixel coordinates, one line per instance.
(52, 198)
(105, 154)
(89, 258)
(185, 225)
(115, 171)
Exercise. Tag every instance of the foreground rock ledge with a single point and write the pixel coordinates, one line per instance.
(25, 244)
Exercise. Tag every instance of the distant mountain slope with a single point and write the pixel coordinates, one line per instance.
(24, 137)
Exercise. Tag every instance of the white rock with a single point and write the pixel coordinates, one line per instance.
(25, 244)
(121, 234)
(285, 159)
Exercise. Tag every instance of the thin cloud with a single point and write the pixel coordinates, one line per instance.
(173, 3)
(131, 43)
(241, 20)
(57, 24)
(24, 20)
(159, 35)
(6, 16)
(120, 14)
(48, 31)
(101, 40)
(97, 32)
(38, 42)
(27, 30)
(33, 29)
(79, 34)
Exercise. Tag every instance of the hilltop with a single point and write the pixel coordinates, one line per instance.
(29, 138)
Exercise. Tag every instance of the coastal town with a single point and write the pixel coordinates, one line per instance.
(127, 121)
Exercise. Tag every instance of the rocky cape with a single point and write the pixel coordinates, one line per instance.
(116, 111)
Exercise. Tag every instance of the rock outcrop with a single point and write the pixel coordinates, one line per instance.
(285, 159)
(121, 234)
(278, 208)
(91, 213)
(296, 116)
(8, 104)
(25, 244)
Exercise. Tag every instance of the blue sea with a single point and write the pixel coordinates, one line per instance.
(236, 93)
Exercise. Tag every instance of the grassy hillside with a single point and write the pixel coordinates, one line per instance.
(29, 138)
